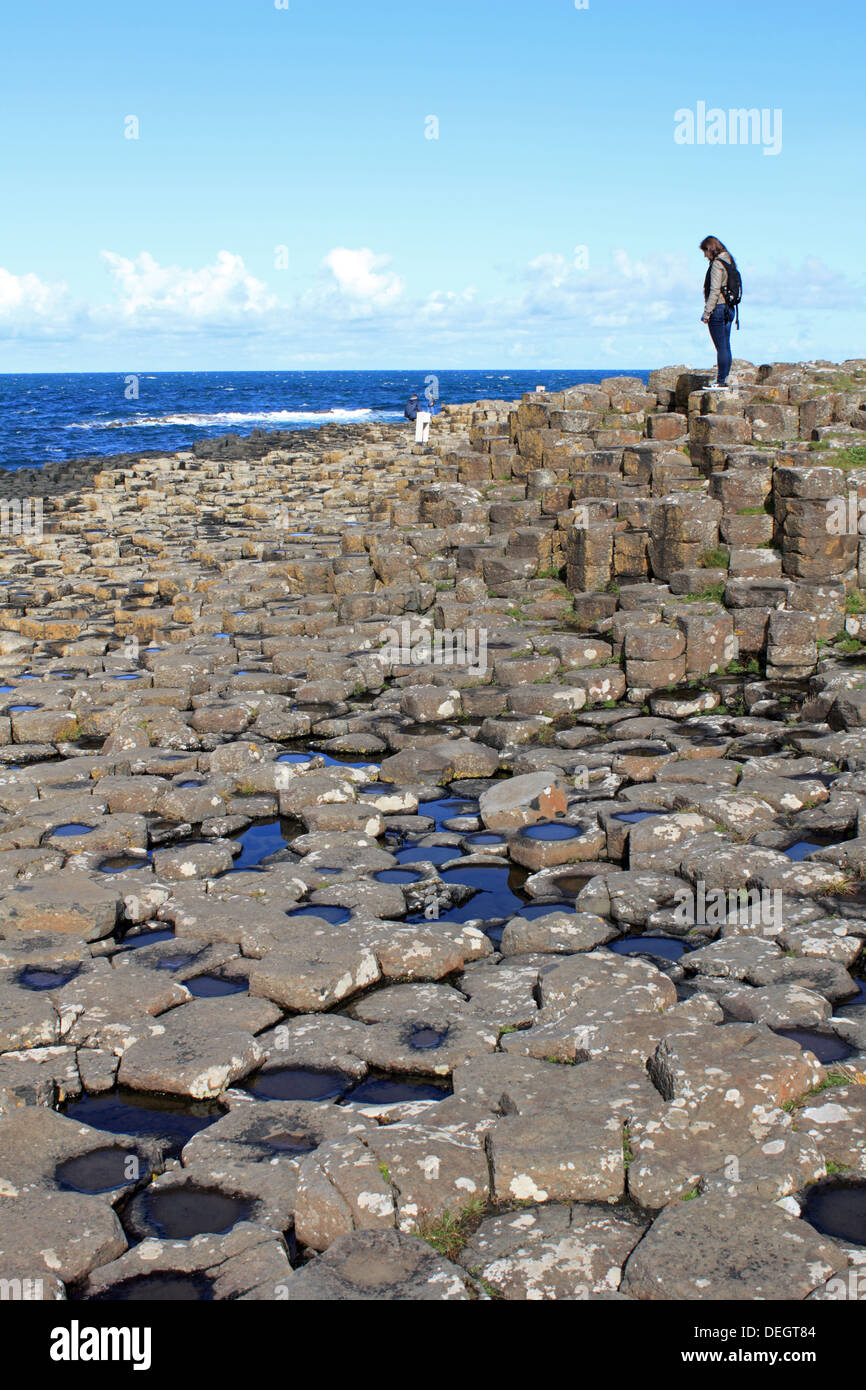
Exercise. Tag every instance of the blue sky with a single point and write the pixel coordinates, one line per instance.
(554, 221)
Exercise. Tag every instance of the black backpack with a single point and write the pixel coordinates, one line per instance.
(733, 290)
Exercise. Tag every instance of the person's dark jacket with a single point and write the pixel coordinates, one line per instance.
(413, 405)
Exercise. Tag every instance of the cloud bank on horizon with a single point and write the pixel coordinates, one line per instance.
(321, 184)
(358, 301)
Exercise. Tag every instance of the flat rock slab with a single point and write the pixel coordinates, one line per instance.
(738, 1248)
(558, 1155)
(27, 1019)
(432, 1174)
(836, 1121)
(555, 1251)
(247, 1263)
(741, 1067)
(103, 996)
(188, 1057)
(314, 974)
(523, 801)
(69, 903)
(556, 933)
(67, 1232)
(379, 1266)
(525, 1086)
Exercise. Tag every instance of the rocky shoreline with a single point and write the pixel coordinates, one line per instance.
(437, 873)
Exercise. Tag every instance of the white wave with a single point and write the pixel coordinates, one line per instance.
(233, 417)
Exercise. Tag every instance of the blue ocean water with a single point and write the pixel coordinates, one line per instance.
(48, 418)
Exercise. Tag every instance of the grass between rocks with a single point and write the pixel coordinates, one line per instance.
(714, 594)
(852, 457)
(450, 1234)
(827, 1083)
(717, 559)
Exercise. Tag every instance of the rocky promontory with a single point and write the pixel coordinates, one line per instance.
(435, 872)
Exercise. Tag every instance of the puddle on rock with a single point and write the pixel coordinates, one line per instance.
(183, 1212)
(663, 946)
(826, 1046)
(103, 1170)
(262, 840)
(837, 1207)
(431, 854)
(447, 809)
(37, 978)
(425, 1039)
(158, 1288)
(397, 876)
(124, 864)
(173, 1119)
(288, 1142)
(633, 817)
(532, 910)
(498, 893)
(385, 1090)
(297, 1083)
(133, 940)
(329, 912)
(570, 884)
(551, 830)
(72, 829)
(215, 986)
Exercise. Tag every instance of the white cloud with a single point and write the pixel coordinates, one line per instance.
(560, 308)
(223, 294)
(362, 276)
(30, 307)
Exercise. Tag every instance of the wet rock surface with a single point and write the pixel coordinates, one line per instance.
(435, 873)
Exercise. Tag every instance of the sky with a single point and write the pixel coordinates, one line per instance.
(362, 184)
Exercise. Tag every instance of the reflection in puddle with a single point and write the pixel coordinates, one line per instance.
(103, 1170)
(550, 830)
(35, 978)
(297, 1083)
(826, 1046)
(838, 1208)
(158, 1288)
(183, 1212)
(662, 946)
(215, 986)
(172, 1119)
(387, 1091)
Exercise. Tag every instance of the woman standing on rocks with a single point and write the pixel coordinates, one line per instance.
(718, 315)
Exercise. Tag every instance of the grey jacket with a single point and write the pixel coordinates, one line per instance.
(718, 281)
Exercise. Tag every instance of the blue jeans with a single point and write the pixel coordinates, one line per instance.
(720, 331)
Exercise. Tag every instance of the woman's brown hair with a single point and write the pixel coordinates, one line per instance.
(714, 246)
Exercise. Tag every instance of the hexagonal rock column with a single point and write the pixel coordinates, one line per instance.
(589, 556)
(710, 641)
(791, 648)
(810, 506)
(682, 527)
(654, 656)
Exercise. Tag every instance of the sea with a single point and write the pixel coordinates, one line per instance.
(52, 417)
